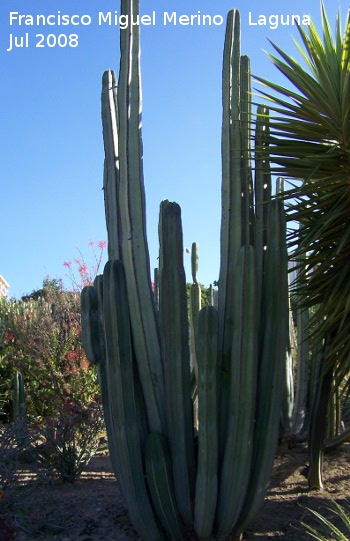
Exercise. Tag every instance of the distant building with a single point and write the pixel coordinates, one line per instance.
(4, 287)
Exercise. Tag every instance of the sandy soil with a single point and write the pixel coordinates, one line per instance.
(92, 509)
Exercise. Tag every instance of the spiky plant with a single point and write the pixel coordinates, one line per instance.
(340, 532)
(310, 143)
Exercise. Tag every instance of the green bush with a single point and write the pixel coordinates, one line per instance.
(70, 439)
(40, 336)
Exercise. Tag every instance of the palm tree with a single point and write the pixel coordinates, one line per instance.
(310, 146)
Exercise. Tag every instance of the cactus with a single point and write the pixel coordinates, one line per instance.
(173, 325)
(195, 307)
(273, 352)
(19, 402)
(237, 456)
(124, 426)
(160, 481)
(20, 415)
(180, 483)
(207, 471)
(124, 192)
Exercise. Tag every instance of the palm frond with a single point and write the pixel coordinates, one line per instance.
(309, 143)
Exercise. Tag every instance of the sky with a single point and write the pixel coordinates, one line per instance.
(51, 198)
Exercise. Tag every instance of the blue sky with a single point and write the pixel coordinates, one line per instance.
(51, 199)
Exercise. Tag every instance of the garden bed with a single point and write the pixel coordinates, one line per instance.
(92, 508)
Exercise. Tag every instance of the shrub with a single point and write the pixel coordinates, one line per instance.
(70, 439)
(41, 337)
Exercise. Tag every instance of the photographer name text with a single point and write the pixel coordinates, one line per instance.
(113, 18)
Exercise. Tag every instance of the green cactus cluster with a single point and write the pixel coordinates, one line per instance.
(180, 476)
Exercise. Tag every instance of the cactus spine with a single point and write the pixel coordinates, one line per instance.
(141, 346)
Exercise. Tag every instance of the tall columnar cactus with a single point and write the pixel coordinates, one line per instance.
(195, 307)
(174, 332)
(20, 412)
(125, 212)
(19, 401)
(176, 478)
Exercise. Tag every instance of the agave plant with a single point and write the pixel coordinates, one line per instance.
(338, 532)
(310, 143)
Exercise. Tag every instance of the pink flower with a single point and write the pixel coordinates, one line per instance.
(102, 244)
(67, 264)
(91, 243)
(83, 269)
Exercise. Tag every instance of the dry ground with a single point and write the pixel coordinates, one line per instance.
(92, 509)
